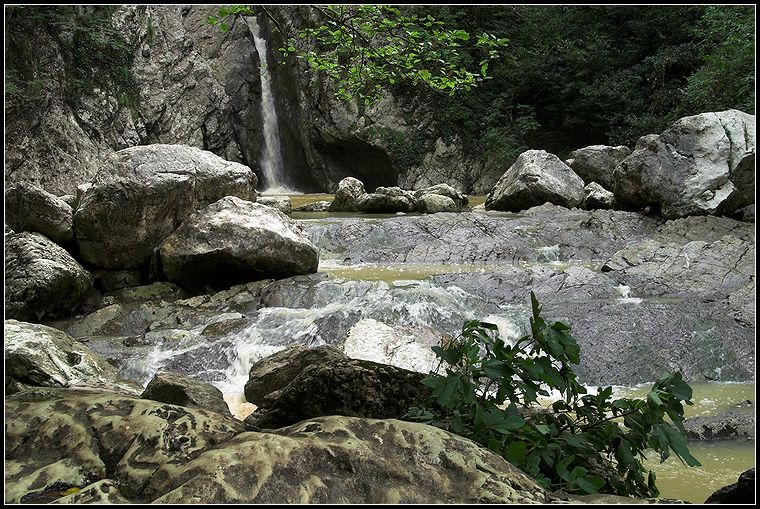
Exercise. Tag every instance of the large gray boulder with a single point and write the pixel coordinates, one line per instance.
(535, 178)
(703, 164)
(234, 241)
(281, 203)
(329, 383)
(597, 163)
(444, 190)
(40, 356)
(597, 197)
(432, 203)
(41, 278)
(142, 194)
(31, 208)
(179, 389)
(350, 190)
(386, 200)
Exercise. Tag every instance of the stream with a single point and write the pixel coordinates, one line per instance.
(383, 295)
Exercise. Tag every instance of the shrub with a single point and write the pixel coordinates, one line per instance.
(583, 443)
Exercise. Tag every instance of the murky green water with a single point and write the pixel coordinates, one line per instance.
(708, 398)
(391, 273)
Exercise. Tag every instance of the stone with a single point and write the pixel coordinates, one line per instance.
(386, 200)
(142, 194)
(281, 203)
(597, 163)
(734, 424)
(40, 356)
(346, 460)
(72, 438)
(337, 385)
(234, 241)
(317, 206)
(432, 203)
(41, 278)
(535, 178)
(444, 190)
(71, 200)
(741, 492)
(182, 390)
(31, 208)
(118, 279)
(350, 190)
(100, 492)
(691, 167)
(597, 197)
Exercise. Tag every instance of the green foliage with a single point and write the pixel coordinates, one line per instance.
(727, 44)
(96, 55)
(584, 443)
(364, 48)
(407, 150)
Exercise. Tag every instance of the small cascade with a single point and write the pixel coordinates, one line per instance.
(271, 161)
(625, 295)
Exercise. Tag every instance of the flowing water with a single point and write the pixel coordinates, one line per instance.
(271, 160)
(394, 313)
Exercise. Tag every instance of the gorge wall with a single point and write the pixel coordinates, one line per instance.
(194, 84)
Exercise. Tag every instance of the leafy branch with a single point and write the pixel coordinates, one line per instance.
(583, 443)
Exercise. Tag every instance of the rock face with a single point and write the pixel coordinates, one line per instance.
(36, 355)
(42, 279)
(741, 492)
(62, 438)
(177, 389)
(597, 197)
(235, 241)
(195, 84)
(140, 450)
(535, 178)
(329, 383)
(142, 194)
(281, 203)
(386, 200)
(30, 208)
(703, 164)
(348, 460)
(597, 163)
(350, 190)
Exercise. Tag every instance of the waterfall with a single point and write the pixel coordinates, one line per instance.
(271, 162)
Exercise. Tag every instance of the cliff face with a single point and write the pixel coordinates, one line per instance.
(197, 85)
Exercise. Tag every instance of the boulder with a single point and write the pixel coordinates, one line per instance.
(443, 190)
(346, 460)
(182, 390)
(41, 278)
(142, 194)
(31, 208)
(597, 163)
(332, 384)
(71, 200)
(350, 190)
(535, 178)
(118, 279)
(58, 439)
(386, 200)
(40, 356)
(432, 203)
(234, 241)
(741, 492)
(317, 206)
(597, 197)
(281, 203)
(702, 164)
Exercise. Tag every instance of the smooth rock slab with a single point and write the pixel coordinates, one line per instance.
(41, 278)
(142, 194)
(346, 460)
(37, 355)
(535, 178)
(178, 389)
(31, 208)
(234, 241)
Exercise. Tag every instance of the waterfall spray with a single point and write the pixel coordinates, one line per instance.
(271, 161)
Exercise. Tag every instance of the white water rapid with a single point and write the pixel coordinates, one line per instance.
(271, 161)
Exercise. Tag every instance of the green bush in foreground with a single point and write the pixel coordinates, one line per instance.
(583, 443)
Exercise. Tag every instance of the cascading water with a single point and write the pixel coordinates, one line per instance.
(271, 161)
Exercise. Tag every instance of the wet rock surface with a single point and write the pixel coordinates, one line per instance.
(177, 389)
(42, 279)
(735, 423)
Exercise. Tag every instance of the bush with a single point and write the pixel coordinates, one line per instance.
(583, 443)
